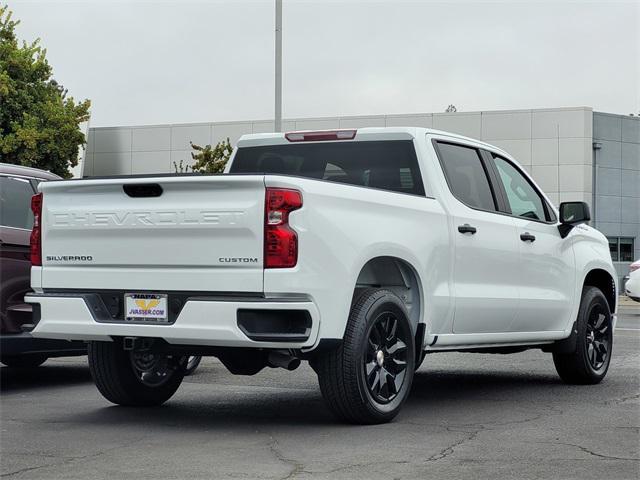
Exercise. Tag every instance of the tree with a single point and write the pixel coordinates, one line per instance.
(451, 109)
(210, 159)
(39, 122)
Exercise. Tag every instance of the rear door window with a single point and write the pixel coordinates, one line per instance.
(466, 175)
(15, 202)
(386, 165)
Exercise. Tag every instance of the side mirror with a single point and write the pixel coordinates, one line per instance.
(572, 214)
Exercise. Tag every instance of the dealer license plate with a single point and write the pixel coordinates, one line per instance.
(146, 307)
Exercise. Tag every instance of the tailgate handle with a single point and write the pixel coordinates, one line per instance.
(142, 189)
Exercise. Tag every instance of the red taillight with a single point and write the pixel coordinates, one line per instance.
(36, 235)
(634, 266)
(280, 241)
(320, 136)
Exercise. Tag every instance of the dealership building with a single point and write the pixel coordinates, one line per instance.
(572, 153)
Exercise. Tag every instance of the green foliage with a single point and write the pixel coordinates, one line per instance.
(38, 121)
(181, 167)
(210, 159)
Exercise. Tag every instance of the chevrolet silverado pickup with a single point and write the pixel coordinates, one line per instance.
(359, 251)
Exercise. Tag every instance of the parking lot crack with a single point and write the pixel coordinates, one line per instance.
(595, 454)
(450, 449)
(296, 467)
(68, 460)
(364, 464)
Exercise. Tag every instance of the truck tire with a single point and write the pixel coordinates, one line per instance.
(24, 361)
(589, 363)
(192, 364)
(367, 378)
(134, 378)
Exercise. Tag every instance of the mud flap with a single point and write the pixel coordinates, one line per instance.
(567, 345)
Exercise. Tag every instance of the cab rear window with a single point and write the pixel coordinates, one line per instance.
(386, 165)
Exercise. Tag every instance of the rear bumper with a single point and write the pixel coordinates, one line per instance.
(23, 343)
(207, 321)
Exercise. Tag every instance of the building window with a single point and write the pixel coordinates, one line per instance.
(621, 248)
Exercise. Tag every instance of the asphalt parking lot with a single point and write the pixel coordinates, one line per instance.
(469, 416)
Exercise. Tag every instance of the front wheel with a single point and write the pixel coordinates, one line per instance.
(589, 363)
(134, 377)
(368, 377)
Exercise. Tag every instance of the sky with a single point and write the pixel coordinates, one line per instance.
(157, 62)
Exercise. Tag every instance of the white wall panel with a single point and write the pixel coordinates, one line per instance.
(467, 124)
(544, 151)
(546, 176)
(87, 167)
(317, 123)
(115, 163)
(150, 162)
(562, 123)
(361, 122)
(148, 139)
(109, 140)
(575, 178)
(425, 121)
(269, 126)
(233, 131)
(91, 141)
(575, 151)
(508, 125)
(181, 135)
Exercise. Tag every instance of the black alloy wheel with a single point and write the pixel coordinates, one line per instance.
(385, 358)
(598, 342)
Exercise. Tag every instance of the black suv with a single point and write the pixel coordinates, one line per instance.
(17, 347)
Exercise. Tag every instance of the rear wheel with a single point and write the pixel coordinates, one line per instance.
(368, 377)
(24, 361)
(134, 377)
(589, 363)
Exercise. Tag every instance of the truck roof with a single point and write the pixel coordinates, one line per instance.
(362, 134)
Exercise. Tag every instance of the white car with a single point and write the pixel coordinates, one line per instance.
(359, 251)
(632, 282)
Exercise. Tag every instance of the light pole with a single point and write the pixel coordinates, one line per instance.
(278, 75)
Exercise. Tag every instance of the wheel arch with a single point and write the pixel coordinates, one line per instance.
(603, 280)
(397, 275)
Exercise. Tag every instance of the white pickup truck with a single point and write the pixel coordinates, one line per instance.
(360, 251)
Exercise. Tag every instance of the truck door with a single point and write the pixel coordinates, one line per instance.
(486, 263)
(547, 263)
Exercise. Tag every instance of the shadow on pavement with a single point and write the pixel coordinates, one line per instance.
(202, 406)
(48, 375)
(292, 407)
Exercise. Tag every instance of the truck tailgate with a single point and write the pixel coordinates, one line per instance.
(179, 233)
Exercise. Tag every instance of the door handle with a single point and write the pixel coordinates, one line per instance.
(527, 237)
(466, 228)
